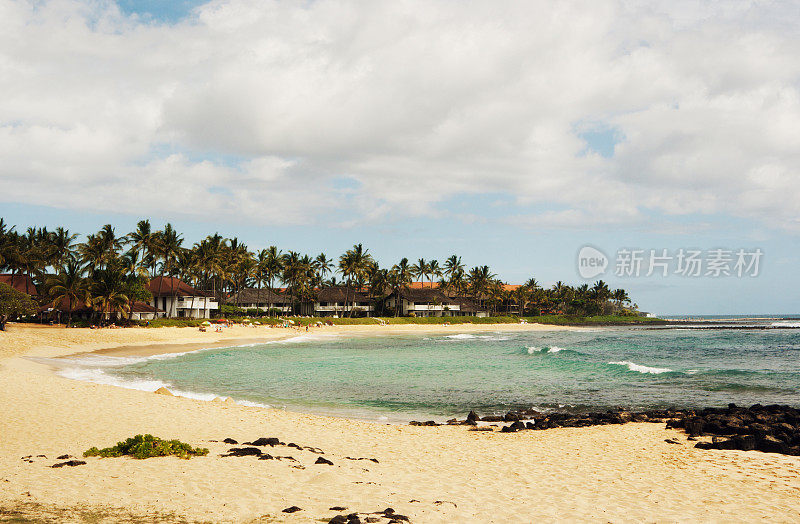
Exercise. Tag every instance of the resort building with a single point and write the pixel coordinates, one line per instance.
(144, 311)
(60, 312)
(175, 298)
(430, 302)
(339, 302)
(263, 299)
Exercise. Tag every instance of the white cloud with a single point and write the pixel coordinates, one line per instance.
(417, 101)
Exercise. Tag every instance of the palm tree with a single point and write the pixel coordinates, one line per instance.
(420, 269)
(479, 279)
(69, 286)
(62, 242)
(452, 266)
(291, 272)
(323, 265)
(168, 246)
(143, 241)
(92, 253)
(273, 266)
(108, 290)
(434, 271)
(399, 279)
(353, 265)
(522, 295)
(378, 281)
(621, 297)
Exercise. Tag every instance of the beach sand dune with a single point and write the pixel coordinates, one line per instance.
(431, 474)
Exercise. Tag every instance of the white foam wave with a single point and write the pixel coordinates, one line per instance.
(108, 361)
(785, 324)
(467, 336)
(98, 376)
(632, 366)
(299, 339)
(546, 349)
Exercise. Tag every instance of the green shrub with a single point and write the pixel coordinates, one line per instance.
(146, 446)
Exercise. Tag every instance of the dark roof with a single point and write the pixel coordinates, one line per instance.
(426, 295)
(143, 307)
(469, 305)
(173, 287)
(251, 295)
(340, 294)
(22, 283)
(64, 306)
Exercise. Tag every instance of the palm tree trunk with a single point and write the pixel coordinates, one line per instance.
(258, 299)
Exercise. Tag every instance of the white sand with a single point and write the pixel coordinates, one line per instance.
(610, 473)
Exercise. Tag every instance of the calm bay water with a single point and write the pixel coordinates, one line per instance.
(405, 377)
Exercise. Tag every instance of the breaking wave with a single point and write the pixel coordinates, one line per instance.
(785, 324)
(467, 336)
(632, 366)
(533, 350)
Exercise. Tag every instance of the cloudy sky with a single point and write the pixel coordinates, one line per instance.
(511, 133)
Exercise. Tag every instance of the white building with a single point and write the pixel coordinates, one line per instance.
(177, 299)
(340, 301)
(263, 299)
(430, 302)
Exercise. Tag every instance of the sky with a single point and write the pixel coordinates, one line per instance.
(509, 133)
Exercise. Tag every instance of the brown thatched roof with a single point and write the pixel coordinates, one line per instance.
(426, 295)
(252, 296)
(340, 294)
(173, 287)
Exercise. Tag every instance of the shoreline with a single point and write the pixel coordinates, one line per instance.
(432, 474)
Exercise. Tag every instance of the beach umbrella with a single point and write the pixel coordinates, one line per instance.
(245, 320)
(206, 323)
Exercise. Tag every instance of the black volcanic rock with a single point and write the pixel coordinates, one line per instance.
(242, 452)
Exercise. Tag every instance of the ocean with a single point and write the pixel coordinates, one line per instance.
(400, 378)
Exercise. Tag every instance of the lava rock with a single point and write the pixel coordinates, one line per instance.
(270, 441)
(231, 441)
(292, 509)
(242, 452)
(321, 460)
(69, 463)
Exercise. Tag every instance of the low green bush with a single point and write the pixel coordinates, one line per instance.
(146, 446)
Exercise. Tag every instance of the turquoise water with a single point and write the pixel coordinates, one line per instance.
(404, 377)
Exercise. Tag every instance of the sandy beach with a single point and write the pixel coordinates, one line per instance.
(621, 473)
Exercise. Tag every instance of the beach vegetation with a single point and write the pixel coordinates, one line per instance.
(147, 446)
(104, 277)
(14, 304)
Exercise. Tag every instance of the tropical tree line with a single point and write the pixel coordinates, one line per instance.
(108, 272)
